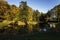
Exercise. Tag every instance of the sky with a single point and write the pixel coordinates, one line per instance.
(41, 5)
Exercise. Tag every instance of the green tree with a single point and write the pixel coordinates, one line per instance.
(36, 15)
(23, 11)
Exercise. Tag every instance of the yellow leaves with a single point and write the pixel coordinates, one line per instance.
(29, 22)
(32, 22)
(21, 23)
(6, 21)
(14, 9)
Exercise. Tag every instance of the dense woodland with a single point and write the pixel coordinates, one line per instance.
(24, 19)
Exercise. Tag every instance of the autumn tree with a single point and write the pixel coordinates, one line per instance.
(4, 7)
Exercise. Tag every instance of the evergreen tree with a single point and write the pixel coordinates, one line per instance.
(24, 11)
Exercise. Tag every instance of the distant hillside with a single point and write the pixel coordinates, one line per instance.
(55, 12)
